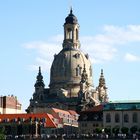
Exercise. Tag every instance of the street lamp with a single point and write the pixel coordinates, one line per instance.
(36, 127)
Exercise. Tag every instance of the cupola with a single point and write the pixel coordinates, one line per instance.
(71, 32)
(71, 18)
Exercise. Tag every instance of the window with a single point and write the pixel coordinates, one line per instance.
(76, 34)
(84, 124)
(135, 117)
(117, 118)
(126, 118)
(108, 118)
(78, 70)
(53, 131)
(69, 33)
(90, 70)
(97, 125)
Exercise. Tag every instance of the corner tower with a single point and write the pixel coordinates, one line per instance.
(69, 63)
(102, 89)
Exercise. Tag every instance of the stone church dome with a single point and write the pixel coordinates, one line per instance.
(71, 84)
(68, 65)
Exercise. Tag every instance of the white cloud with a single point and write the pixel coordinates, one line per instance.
(99, 52)
(45, 52)
(121, 35)
(131, 58)
(102, 47)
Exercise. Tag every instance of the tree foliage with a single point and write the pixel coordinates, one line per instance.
(107, 130)
(124, 130)
(115, 130)
(2, 136)
(133, 129)
(98, 130)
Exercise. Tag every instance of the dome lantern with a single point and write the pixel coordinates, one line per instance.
(71, 32)
(71, 18)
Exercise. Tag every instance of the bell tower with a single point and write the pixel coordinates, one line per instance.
(71, 32)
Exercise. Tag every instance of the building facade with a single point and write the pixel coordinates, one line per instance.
(111, 118)
(122, 114)
(9, 105)
(71, 85)
(27, 124)
(54, 122)
(91, 120)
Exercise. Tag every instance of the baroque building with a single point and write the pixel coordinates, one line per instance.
(71, 85)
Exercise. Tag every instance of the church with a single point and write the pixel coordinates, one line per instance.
(71, 86)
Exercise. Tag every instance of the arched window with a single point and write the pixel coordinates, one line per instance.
(135, 117)
(126, 118)
(90, 70)
(76, 34)
(108, 118)
(117, 118)
(69, 35)
(78, 70)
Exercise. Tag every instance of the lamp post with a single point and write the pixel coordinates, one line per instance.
(36, 128)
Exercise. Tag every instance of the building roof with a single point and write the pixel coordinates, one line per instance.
(133, 105)
(93, 114)
(48, 118)
(61, 111)
(72, 112)
(52, 119)
(95, 109)
(125, 101)
(71, 18)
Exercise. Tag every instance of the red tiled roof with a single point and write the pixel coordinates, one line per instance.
(95, 109)
(49, 121)
(72, 112)
(52, 119)
(62, 111)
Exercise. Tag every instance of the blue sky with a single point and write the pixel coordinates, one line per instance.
(31, 32)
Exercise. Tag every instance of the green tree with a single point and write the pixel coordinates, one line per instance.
(133, 129)
(98, 130)
(115, 130)
(2, 136)
(124, 130)
(107, 130)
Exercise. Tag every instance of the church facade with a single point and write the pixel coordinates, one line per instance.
(71, 85)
